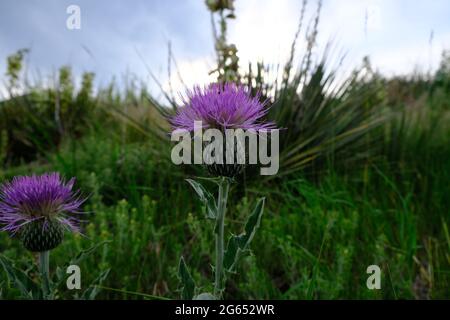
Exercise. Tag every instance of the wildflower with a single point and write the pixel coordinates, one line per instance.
(39, 209)
(222, 107)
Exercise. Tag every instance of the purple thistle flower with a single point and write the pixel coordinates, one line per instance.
(46, 198)
(222, 106)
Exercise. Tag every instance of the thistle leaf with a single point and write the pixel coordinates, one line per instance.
(87, 252)
(22, 282)
(91, 292)
(237, 244)
(187, 291)
(205, 197)
(61, 276)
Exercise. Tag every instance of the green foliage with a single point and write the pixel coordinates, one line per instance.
(14, 67)
(37, 117)
(3, 145)
(29, 288)
(315, 241)
(187, 291)
(239, 244)
(206, 198)
(227, 60)
(326, 118)
(226, 259)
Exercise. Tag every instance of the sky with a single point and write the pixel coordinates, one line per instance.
(122, 39)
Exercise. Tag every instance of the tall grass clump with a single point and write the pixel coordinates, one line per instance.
(328, 119)
(37, 115)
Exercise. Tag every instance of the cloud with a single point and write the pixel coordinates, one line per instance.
(264, 30)
(394, 33)
(420, 56)
(189, 74)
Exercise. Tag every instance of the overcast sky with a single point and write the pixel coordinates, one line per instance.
(399, 36)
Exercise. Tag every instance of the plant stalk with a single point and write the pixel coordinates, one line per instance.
(44, 261)
(224, 187)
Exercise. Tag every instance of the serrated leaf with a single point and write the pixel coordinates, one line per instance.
(22, 282)
(206, 197)
(87, 252)
(215, 180)
(60, 274)
(91, 292)
(187, 291)
(237, 244)
(58, 278)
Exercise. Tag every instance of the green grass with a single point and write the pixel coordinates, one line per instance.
(324, 223)
(316, 239)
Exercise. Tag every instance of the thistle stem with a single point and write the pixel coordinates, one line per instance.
(44, 259)
(224, 187)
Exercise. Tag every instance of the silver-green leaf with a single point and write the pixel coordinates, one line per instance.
(237, 244)
(188, 284)
(27, 287)
(206, 197)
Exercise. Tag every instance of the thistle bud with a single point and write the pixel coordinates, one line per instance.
(39, 209)
(222, 168)
(41, 235)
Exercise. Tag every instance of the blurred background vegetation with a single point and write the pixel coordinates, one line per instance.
(364, 178)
